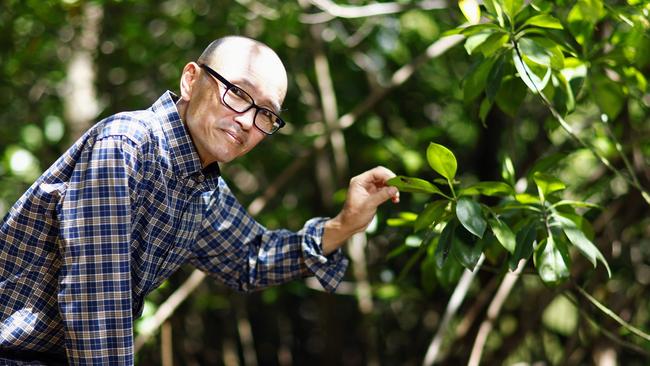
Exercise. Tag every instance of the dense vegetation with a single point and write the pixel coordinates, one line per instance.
(521, 127)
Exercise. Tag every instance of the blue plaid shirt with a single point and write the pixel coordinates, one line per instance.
(116, 215)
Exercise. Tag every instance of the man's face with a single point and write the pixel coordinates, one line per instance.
(219, 133)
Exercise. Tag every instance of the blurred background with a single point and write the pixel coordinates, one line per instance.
(369, 85)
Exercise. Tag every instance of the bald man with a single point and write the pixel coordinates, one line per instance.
(139, 195)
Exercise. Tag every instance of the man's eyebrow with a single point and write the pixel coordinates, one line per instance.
(249, 86)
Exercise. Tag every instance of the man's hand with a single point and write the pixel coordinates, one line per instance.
(366, 191)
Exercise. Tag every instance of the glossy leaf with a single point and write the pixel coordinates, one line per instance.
(511, 95)
(476, 79)
(544, 21)
(580, 241)
(466, 247)
(525, 240)
(504, 235)
(431, 214)
(608, 95)
(550, 263)
(512, 7)
(547, 184)
(475, 41)
(494, 78)
(413, 185)
(470, 216)
(442, 160)
(470, 10)
(534, 82)
(488, 188)
(445, 242)
(494, 8)
(494, 42)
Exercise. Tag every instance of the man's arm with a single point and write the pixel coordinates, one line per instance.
(366, 192)
(246, 256)
(95, 277)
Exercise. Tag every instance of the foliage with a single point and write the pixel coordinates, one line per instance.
(547, 225)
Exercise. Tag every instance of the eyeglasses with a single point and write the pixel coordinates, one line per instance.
(239, 101)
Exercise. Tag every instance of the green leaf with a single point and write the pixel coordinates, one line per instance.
(512, 7)
(525, 240)
(494, 78)
(544, 21)
(470, 10)
(530, 78)
(511, 95)
(608, 95)
(534, 51)
(494, 8)
(470, 216)
(492, 44)
(527, 198)
(413, 185)
(466, 248)
(504, 235)
(583, 17)
(550, 263)
(431, 214)
(488, 188)
(445, 242)
(484, 109)
(478, 28)
(508, 170)
(449, 274)
(442, 160)
(474, 82)
(563, 99)
(404, 219)
(547, 184)
(476, 40)
(580, 241)
(576, 204)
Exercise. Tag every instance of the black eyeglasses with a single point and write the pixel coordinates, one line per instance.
(239, 101)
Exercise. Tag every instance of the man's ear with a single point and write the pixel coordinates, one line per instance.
(189, 76)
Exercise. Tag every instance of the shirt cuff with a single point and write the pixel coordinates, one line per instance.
(328, 269)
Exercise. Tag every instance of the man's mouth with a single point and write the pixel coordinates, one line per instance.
(234, 136)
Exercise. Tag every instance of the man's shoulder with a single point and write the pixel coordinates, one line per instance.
(139, 127)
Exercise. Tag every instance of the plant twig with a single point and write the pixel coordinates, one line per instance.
(455, 301)
(493, 312)
(634, 330)
(332, 10)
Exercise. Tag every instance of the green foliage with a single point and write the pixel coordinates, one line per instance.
(465, 230)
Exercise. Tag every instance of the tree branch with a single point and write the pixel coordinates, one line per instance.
(455, 301)
(493, 312)
(331, 10)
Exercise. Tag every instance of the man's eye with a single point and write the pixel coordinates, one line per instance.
(238, 92)
(267, 113)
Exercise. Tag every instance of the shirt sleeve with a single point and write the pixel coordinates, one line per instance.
(95, 280)
(244, 255)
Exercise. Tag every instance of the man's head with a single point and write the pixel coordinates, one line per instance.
(218, 132)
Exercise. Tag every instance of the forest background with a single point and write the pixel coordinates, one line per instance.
(543, 106)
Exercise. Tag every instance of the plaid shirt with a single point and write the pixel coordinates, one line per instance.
(116, 215)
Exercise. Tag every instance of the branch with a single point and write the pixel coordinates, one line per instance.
(332, 10)
(167, 308)
(452, 307)
(493, 312)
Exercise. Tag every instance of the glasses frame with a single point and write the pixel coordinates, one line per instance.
(229, 86)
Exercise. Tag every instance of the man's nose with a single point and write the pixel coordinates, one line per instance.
(246, 119)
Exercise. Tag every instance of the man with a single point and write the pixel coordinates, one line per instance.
(139, 195)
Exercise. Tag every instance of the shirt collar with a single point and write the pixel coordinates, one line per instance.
(184, 157)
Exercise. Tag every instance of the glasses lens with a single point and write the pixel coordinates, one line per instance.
(267, 121)
(237, 99)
